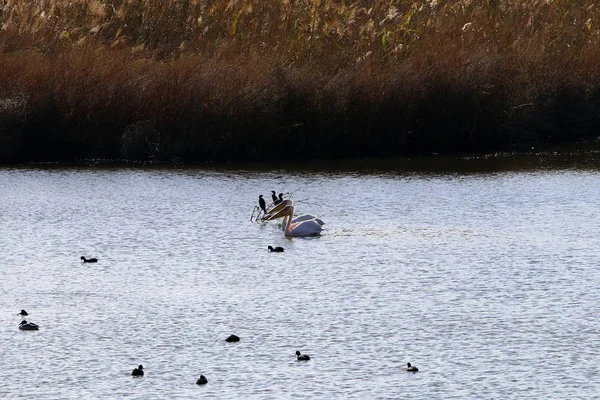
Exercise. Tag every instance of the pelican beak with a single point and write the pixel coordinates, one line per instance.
(277, 208)
(278, 214)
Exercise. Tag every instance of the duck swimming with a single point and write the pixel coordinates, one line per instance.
(88, 260)
(232, 338)
(302, 357)
(28, 326)
(202, 380)
(275, 249)
(411, 368)
(139, 371)
(23, 313)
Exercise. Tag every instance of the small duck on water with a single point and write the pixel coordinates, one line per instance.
(232, 338)
(202, 380)
(139, 371)
(302, 357)
(23, 313)
(411, 368)
(28, 326)
(275, 249)
(88, 260)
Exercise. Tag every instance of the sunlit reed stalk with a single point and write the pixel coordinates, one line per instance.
(248, 79)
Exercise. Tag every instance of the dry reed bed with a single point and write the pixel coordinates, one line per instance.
(248, 80)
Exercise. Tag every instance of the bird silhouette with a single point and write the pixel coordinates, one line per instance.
(139, 371)
(411, 368)
(232, 338)
(262, 204)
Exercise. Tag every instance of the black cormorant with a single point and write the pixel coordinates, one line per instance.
(262, 204)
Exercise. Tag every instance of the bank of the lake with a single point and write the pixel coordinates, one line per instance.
(248, 81)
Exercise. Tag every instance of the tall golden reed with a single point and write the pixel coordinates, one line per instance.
(245, 79)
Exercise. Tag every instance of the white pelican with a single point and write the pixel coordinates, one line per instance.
(301, 218)
(303, 228)
(307, 217)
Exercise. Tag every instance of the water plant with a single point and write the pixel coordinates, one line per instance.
(248, 80)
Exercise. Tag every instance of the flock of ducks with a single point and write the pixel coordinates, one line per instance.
(281, 208)
(139, 371)
(306, 225)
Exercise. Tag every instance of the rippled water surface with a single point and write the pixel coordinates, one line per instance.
(486, 277)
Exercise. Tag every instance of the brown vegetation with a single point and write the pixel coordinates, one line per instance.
(249, 79)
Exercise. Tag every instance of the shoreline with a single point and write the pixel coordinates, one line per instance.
(576, 155)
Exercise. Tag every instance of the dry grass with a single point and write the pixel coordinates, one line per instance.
(248, 79)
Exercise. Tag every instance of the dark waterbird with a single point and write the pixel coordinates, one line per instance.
(88, 260)
(302, 357)
(411, 368)
(274, 196)
(262, 203)
(279, 200)
(23, 313)
(28, 326)
(202, 380)
(232, 338)
(139, 371)
(275, 249)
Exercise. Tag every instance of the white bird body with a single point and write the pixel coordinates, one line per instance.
(309, 227)
(307, 217)
(300, 218)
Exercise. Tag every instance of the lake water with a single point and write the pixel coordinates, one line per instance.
(484, 273)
